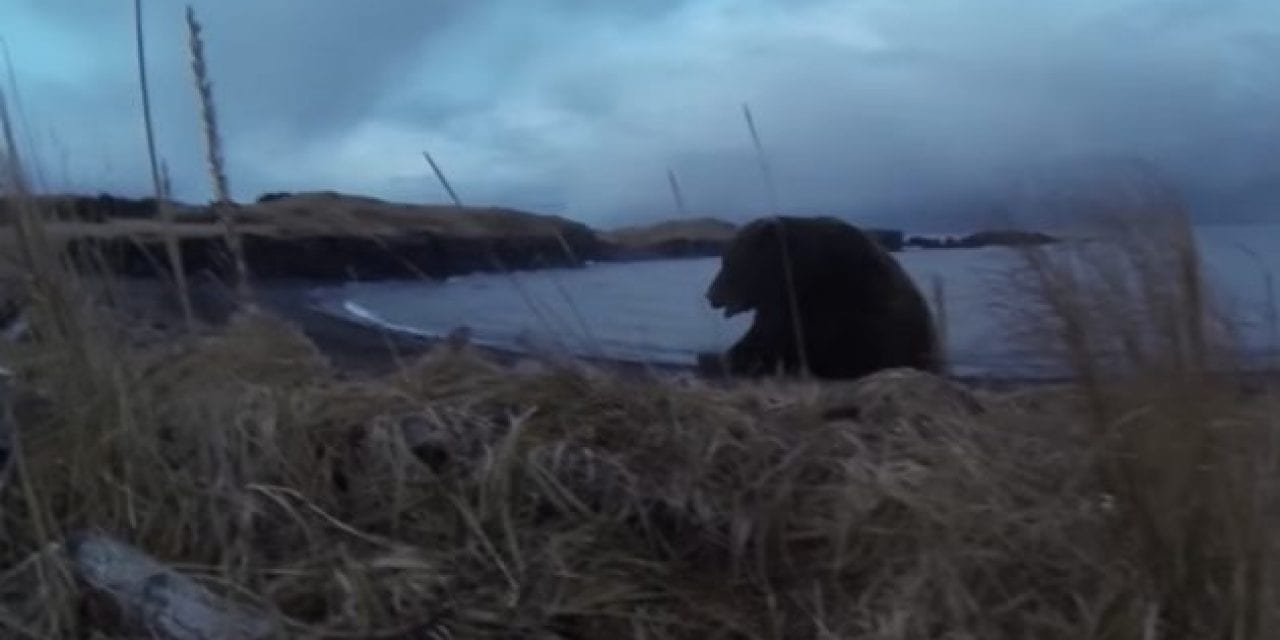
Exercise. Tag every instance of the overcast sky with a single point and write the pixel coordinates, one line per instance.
(912, 113)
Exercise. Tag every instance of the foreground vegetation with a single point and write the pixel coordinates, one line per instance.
(465, 499)
(459, 498)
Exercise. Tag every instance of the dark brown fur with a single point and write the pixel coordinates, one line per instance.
(860, 312)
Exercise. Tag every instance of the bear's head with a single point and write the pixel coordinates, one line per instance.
(750, 268)
(754, 271)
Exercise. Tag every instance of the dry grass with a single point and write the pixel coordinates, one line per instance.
(1193, 475)
(460, 497)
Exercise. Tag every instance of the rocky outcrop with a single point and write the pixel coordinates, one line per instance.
(990, 238)
(890, 239)
(685, 238)
(695, 238)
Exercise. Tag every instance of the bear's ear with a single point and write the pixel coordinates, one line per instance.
(763, 224)
(770, 223)
(766, 229)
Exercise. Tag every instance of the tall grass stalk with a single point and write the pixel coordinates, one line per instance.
(33, 166)
(222, 203)
(1192, 473)
(80, 379)
(788, 266)
(676, 194)
(165, 211)
(49, 284)
(1272, 318)
(583, 326)
(1270, 314)
(941, 323)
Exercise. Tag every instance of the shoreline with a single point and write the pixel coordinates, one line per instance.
(360, 347)
(363, 347)
(357, 344)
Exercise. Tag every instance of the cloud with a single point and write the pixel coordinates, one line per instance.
(910, 113)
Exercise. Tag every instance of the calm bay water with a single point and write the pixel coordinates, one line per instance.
(655, 311)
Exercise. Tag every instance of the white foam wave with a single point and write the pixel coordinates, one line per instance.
(361, 313)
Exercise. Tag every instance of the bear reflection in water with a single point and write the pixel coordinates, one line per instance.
(858, 309)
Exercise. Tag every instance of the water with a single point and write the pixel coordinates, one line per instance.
(655, 311)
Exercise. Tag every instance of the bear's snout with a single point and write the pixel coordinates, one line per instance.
(719, 298)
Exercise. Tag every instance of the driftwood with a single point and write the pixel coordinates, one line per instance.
(167, 603)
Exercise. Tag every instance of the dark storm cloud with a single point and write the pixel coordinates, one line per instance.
(911, 113)
(292, 64)
(287, 75)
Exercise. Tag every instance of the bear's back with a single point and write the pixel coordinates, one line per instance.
(864, 310)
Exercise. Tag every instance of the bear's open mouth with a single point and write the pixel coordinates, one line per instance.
(731, 310)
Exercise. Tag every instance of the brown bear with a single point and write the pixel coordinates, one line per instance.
(859, 310)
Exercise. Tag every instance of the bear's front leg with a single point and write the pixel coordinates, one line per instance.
(713, 364)
(752, 356)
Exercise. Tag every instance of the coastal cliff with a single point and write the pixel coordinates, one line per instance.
(331, 236)
(327, 236)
